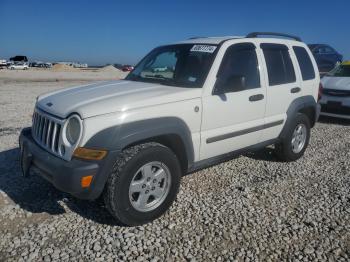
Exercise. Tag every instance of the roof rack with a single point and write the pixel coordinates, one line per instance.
(197, 37)
(256, 34)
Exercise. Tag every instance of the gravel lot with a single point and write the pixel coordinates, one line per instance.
(252, 208)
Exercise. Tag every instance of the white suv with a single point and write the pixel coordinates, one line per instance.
(132, 140)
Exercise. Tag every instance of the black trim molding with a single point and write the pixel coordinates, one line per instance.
(244, 131)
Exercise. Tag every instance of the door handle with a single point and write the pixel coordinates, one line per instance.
(256, 97)
(295, 90)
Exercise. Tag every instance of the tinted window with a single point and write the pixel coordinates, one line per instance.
(328, 49)
(279, 65)
(239, 69)
(305, 64)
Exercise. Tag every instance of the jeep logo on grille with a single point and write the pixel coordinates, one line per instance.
(49, 104)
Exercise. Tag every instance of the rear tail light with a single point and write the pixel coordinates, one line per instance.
(320, 90)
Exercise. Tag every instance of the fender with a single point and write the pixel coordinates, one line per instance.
(296, 106)
(119, 137)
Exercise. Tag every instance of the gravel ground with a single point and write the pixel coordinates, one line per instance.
(252, 208)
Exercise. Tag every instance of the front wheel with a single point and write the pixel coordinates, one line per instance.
(296, 140)
(143, 184)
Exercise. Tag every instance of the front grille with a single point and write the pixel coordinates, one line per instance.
(46, 131)
(340, 110)
(335, 92)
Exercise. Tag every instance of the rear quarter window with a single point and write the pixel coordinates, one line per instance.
(305, 64)
(279, 64)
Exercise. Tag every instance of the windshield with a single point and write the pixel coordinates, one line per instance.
(184, 65)
(340, 71)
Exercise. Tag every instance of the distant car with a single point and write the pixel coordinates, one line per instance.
(127, 68)
(335, 100)
(19, 66)
(326, 57)
(118, 66)
(3, 63)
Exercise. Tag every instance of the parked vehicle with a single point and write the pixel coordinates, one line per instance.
(127, 68)
(132, 140)
(19, 59)
(40, 64)
(326, 57)
(335, 101)
(118, 66)
(3, 63)
(18, 66)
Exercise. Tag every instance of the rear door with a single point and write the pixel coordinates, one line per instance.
(307, 71)
(283, 86)
(233, 111)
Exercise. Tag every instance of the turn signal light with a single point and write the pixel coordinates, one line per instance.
(89, 154)
(86, 181)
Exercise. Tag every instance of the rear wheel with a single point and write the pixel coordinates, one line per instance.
(143, 184)
(295, 142)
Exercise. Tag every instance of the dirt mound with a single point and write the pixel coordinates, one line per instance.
(112, 72)
(63, 68)
(110, 68)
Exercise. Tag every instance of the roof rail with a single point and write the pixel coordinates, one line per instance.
(256, 34)
(197, 37)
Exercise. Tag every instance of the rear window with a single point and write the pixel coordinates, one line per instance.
(279, 64)
(305, 64)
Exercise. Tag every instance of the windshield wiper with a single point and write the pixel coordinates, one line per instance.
(157, 77)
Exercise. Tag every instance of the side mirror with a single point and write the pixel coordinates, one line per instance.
(233, 83)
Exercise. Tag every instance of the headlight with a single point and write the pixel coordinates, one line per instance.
(73, 129)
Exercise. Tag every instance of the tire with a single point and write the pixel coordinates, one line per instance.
(122, 203)
(288, 151)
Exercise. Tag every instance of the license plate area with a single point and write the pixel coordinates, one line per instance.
(334, 104)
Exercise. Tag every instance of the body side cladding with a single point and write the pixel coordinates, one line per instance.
(244, 131)
(303, 104)
(121, 136)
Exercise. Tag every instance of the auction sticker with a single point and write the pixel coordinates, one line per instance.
(203, 48)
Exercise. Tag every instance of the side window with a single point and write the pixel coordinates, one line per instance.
(305, 64)
(279, 64)
(328, 49)
(239, 69)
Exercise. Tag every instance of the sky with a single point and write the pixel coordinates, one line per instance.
(101, 32)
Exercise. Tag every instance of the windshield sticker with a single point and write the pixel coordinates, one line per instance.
(203, 48)
(192, 79)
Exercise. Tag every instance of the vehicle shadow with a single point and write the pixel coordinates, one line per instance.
(334, 120)
(36, 195)
(265, 154)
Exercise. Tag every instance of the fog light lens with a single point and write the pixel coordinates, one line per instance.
(86, 181)
(89, 154)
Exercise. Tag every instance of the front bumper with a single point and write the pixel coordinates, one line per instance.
(66, 175)
(335, 106)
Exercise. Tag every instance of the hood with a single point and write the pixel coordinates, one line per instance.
(113, 96)
(338, 83)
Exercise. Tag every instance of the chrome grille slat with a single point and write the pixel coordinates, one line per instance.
(33, 122)
(53, 136)
(46, 131)
(40, 127)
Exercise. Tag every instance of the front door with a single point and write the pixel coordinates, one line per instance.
(233, 115)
